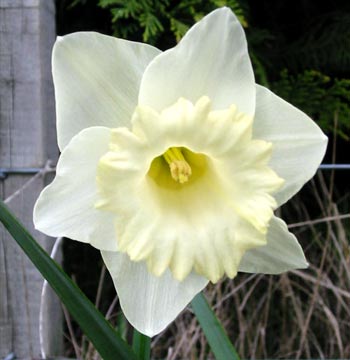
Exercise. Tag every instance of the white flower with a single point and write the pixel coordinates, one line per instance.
(173, 163)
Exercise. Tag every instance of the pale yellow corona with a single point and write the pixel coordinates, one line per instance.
(185, 185)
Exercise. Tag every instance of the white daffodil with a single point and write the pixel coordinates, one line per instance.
(172, 164)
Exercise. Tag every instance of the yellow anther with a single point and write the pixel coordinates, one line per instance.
(180, 169)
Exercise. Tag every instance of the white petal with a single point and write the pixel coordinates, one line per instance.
(149, 303)
(96, 81)
(67, 206)
(298, 143)
(212, 59)
(281, 253)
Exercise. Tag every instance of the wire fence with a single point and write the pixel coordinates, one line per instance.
(4, 172)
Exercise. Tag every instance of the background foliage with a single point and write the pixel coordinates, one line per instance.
(301, 50)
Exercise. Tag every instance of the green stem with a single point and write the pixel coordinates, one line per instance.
(141, 345)
(217, 338)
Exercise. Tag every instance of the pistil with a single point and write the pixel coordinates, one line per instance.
(180, 169)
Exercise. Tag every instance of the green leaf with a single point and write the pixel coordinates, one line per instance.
(122, 325)
(94, 325)
(141, 344)
(218, 341)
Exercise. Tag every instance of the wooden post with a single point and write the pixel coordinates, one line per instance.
(27, 140)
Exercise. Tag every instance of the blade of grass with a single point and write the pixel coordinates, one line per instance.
(218, 341)
(141, 344)
(94, 325)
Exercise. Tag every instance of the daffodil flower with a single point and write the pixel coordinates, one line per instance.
(173, 163)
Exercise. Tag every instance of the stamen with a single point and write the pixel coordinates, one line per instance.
(180, 169)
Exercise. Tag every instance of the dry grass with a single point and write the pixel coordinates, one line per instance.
(299, 314)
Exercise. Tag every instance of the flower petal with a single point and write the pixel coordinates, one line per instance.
(96, 81)
(281, 253)
(66, 207)
(212, 59)
(298, 143)
(149, 302)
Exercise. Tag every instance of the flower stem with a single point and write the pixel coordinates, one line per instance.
(219, 343)
(141, 345)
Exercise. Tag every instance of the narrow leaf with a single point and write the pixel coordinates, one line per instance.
(218, 341)
(94, 325)
(122, 326)
(141, 344)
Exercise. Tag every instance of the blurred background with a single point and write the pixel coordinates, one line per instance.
(301, 50)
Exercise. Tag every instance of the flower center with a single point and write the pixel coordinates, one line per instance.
(191, 189)
(180, 169)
